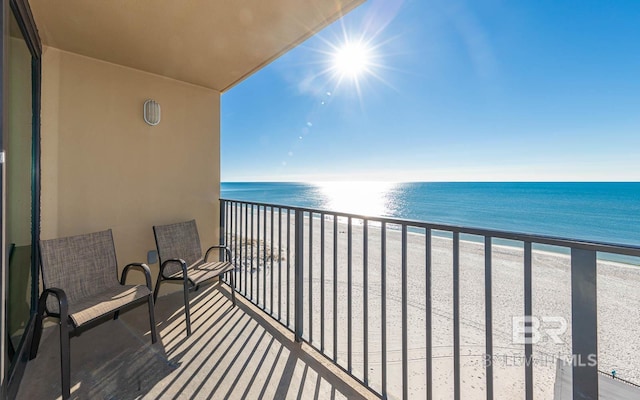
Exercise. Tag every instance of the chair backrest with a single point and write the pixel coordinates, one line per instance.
(178, 240)
(81, 265)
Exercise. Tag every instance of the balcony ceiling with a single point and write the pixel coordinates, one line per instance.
(211, 43)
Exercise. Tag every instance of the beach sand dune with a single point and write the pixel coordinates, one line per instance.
(329, 278)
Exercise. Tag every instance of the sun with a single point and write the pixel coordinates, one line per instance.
(352, 63)
(352, 60)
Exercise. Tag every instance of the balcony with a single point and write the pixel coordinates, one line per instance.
(336, 305)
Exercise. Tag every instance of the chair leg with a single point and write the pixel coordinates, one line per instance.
(233, 289)
(152, 320)
(157, 289)
(65, 359)
(116, 314)
(186, 307)
(37, 333)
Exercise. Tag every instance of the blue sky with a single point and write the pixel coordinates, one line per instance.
(454, 90)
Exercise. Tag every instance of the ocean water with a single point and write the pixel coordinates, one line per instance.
(603, 212)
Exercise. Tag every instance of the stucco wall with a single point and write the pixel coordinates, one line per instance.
(104, 167)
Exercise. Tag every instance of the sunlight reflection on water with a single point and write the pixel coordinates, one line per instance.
(364, 198)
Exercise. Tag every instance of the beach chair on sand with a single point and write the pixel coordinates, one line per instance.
(181, 260)
(80, 276)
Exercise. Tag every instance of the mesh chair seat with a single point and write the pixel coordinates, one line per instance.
(205, 271)
(105, 302)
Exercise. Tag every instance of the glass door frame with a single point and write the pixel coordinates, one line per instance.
(11, 371)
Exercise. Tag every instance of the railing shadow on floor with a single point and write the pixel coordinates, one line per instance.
(232, 353)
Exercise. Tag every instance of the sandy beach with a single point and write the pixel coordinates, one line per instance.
(618, 305)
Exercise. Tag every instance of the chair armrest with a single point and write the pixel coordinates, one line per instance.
(219, 246)
(63, 304)
(183, 265)
(143, 267)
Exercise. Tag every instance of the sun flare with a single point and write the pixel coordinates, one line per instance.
(352, 59)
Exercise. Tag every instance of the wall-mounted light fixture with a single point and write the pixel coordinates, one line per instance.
(151, 111)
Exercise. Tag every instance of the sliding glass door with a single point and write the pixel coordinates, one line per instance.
(20, 145)
(19, 195)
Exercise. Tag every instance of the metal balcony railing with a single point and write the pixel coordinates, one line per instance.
(298, 264)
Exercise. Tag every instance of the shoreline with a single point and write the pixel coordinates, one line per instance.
(623, 260)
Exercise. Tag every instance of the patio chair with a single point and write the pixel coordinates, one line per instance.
(81, 287)
(181, 260)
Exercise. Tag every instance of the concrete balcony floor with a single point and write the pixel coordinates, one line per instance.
(233, 353)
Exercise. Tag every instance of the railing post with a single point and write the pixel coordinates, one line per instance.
(488, 312)
(528, 313)
(456, 316)
(405, 323)
(222, 235)
(298, 277)
(584, 312)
